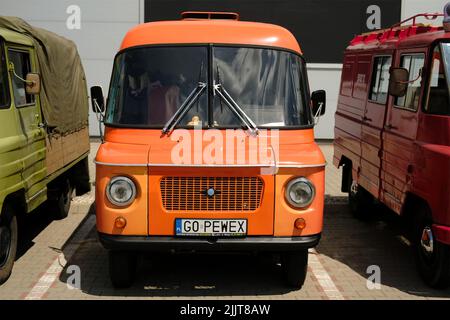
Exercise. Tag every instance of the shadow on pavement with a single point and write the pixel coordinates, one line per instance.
(359, 244)
(30, 226)
(174, 275)
(346, 242)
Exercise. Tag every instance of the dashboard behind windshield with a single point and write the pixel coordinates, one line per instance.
(149, 84)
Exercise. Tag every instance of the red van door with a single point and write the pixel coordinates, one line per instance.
(400, 133)
(373, 122)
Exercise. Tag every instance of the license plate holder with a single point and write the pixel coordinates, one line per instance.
(186, 227)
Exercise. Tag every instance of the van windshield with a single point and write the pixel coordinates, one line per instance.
(149, 85)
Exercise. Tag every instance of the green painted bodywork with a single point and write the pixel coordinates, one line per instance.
(22, 140)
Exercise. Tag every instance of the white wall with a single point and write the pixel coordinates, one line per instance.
(103, 26)
(413, 7)
(327, 77)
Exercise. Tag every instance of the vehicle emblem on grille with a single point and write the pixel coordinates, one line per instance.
(210, 192)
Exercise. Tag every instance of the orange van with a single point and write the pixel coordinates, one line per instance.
(209, 144)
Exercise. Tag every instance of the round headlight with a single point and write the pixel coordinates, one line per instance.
(300, 192)
(121, 191)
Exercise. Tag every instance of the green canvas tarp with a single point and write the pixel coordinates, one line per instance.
(63, 96)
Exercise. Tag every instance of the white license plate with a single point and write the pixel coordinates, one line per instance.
(211, 227)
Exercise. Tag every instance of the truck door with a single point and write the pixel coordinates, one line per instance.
(28, 117)
(400, 132)
(372, 123)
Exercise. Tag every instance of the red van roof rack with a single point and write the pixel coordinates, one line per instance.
(397, 31)
(202, 15)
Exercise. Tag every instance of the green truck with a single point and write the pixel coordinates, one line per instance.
(44, 136)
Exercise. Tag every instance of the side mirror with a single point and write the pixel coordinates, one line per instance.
(318, 100)
(33, 83)
(97, 99)
(398, 82)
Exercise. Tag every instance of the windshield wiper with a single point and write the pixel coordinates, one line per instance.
(184, 108)
(237, 110)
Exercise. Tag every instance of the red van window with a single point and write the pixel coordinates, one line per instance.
(414, 64)
(438, 93)
(380, 79)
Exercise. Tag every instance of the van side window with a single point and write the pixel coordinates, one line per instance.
(414, 64)
(438, 94)
(22, 67)
(4, 92)
(380, 79)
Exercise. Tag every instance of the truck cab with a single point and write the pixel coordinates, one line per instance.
(392, 133)
(209, 144)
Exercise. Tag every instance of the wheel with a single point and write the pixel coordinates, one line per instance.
(122, 268)
(60, 202)
(8, 242)
(432, 256)
(295, 267)
(360, 201)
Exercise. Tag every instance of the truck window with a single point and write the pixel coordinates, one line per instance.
(380, 79)
(414, 63)
(22, 67)
(438, 101)
(4, 92)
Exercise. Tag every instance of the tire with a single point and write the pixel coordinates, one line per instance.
(8, 242)
(295, 267)
(122, 268)
(432, 257)
(60, 202)
(360, 201)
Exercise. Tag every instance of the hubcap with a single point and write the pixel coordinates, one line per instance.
(427, 241)
(5, 244)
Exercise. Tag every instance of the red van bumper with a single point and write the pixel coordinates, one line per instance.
(442, 233)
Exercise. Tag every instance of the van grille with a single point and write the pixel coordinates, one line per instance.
(230, 193)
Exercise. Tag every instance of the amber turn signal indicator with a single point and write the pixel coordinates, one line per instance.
(300, 224)
(120, 222)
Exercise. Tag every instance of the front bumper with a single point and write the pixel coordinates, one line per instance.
(259, 244)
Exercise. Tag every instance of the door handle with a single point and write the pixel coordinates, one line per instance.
(391, 127)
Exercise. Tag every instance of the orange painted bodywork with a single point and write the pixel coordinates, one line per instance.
(210, 31)
(145, 156)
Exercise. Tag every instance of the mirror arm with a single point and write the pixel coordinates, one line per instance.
(11, 68)
(414, 80)
(100, 119)
(317, 115)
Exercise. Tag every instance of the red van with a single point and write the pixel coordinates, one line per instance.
(392, 133)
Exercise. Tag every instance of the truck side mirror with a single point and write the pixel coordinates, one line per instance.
(398, 81)
(318, 100)
(97, 99)
(33, 83)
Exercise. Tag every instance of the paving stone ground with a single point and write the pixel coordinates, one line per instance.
(347, 249)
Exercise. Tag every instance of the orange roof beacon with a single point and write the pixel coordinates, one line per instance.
(392, 133)
(209, 144)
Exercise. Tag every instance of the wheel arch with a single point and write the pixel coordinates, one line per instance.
(346, 165)
(16, 199)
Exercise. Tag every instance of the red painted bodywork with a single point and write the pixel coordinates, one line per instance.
(394, 152)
